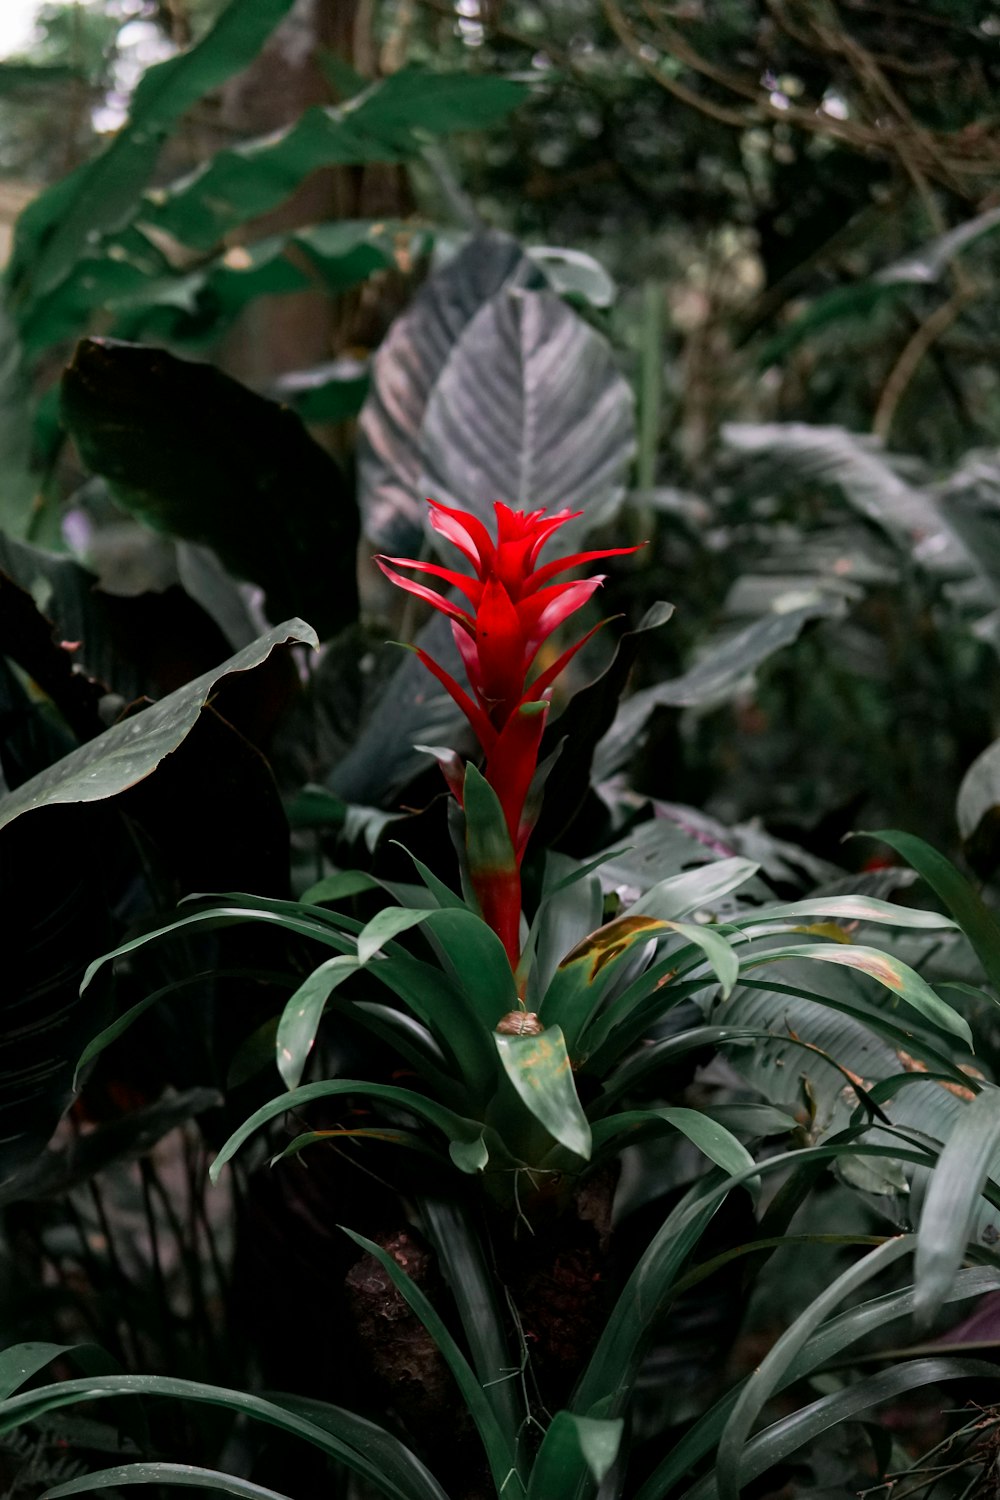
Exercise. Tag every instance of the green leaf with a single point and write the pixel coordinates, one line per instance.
(649, 1289)
(247, 480)
(946, 1219)
(847, 909)
(331, 392)
(194, 310)
(387, 122)
(823, 1346)
(500, 1454)
(487, 840)
(339, 887)
(478, 1298)
(384, 926)
(361, 1446)
(790, 1433)
(131, 750)
(476, 961)
(301, 1016)
(694, 890)
(769, 1374)
(164, 1473)
(573, 1449)
(21, 1362)
(574, 274)
(454, 1126)
(709, 1135)
(896, 976)
(585, 973)
(979, 924)
(931, 261)
(386, 1134)
(615, 1361)
(101, 194)
(540, 1070)
(58, 1171)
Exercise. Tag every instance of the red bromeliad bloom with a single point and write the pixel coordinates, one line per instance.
(510, 607)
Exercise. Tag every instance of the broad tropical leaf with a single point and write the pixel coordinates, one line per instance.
(248, 481)
(529, 406)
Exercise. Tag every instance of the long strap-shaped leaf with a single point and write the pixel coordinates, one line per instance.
(980, 925)
(460, 1131)
(947, 1215)
(501, 1456)
(460, 1252)
(896, 976)
(767, 1377)
(185, 1475)
(784, 1437)
(825, 1344)
(358, 1444)
(649, 1289)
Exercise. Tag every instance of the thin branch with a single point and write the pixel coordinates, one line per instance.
(914, 351)
(626, 36)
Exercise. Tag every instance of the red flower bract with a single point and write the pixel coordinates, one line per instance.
(508, 607)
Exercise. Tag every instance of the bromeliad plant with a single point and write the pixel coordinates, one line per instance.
(525, 1040)
(536, 1053)
(515, 607)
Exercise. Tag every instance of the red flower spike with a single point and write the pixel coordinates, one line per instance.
(515, 607)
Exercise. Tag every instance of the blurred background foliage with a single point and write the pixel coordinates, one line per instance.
(792, 210)
(745, 255)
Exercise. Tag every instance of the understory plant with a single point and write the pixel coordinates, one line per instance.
(540, 1112)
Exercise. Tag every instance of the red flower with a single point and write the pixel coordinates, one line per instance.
(509, 607)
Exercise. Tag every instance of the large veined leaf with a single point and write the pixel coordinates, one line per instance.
(857, 467)
(100, 195)
(404, 372)
(387, 121)
(116, 640)
(129, 751)
(831, 1038)
(948, 1216)
(247, 480)
(529, 408)
(712, 680)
